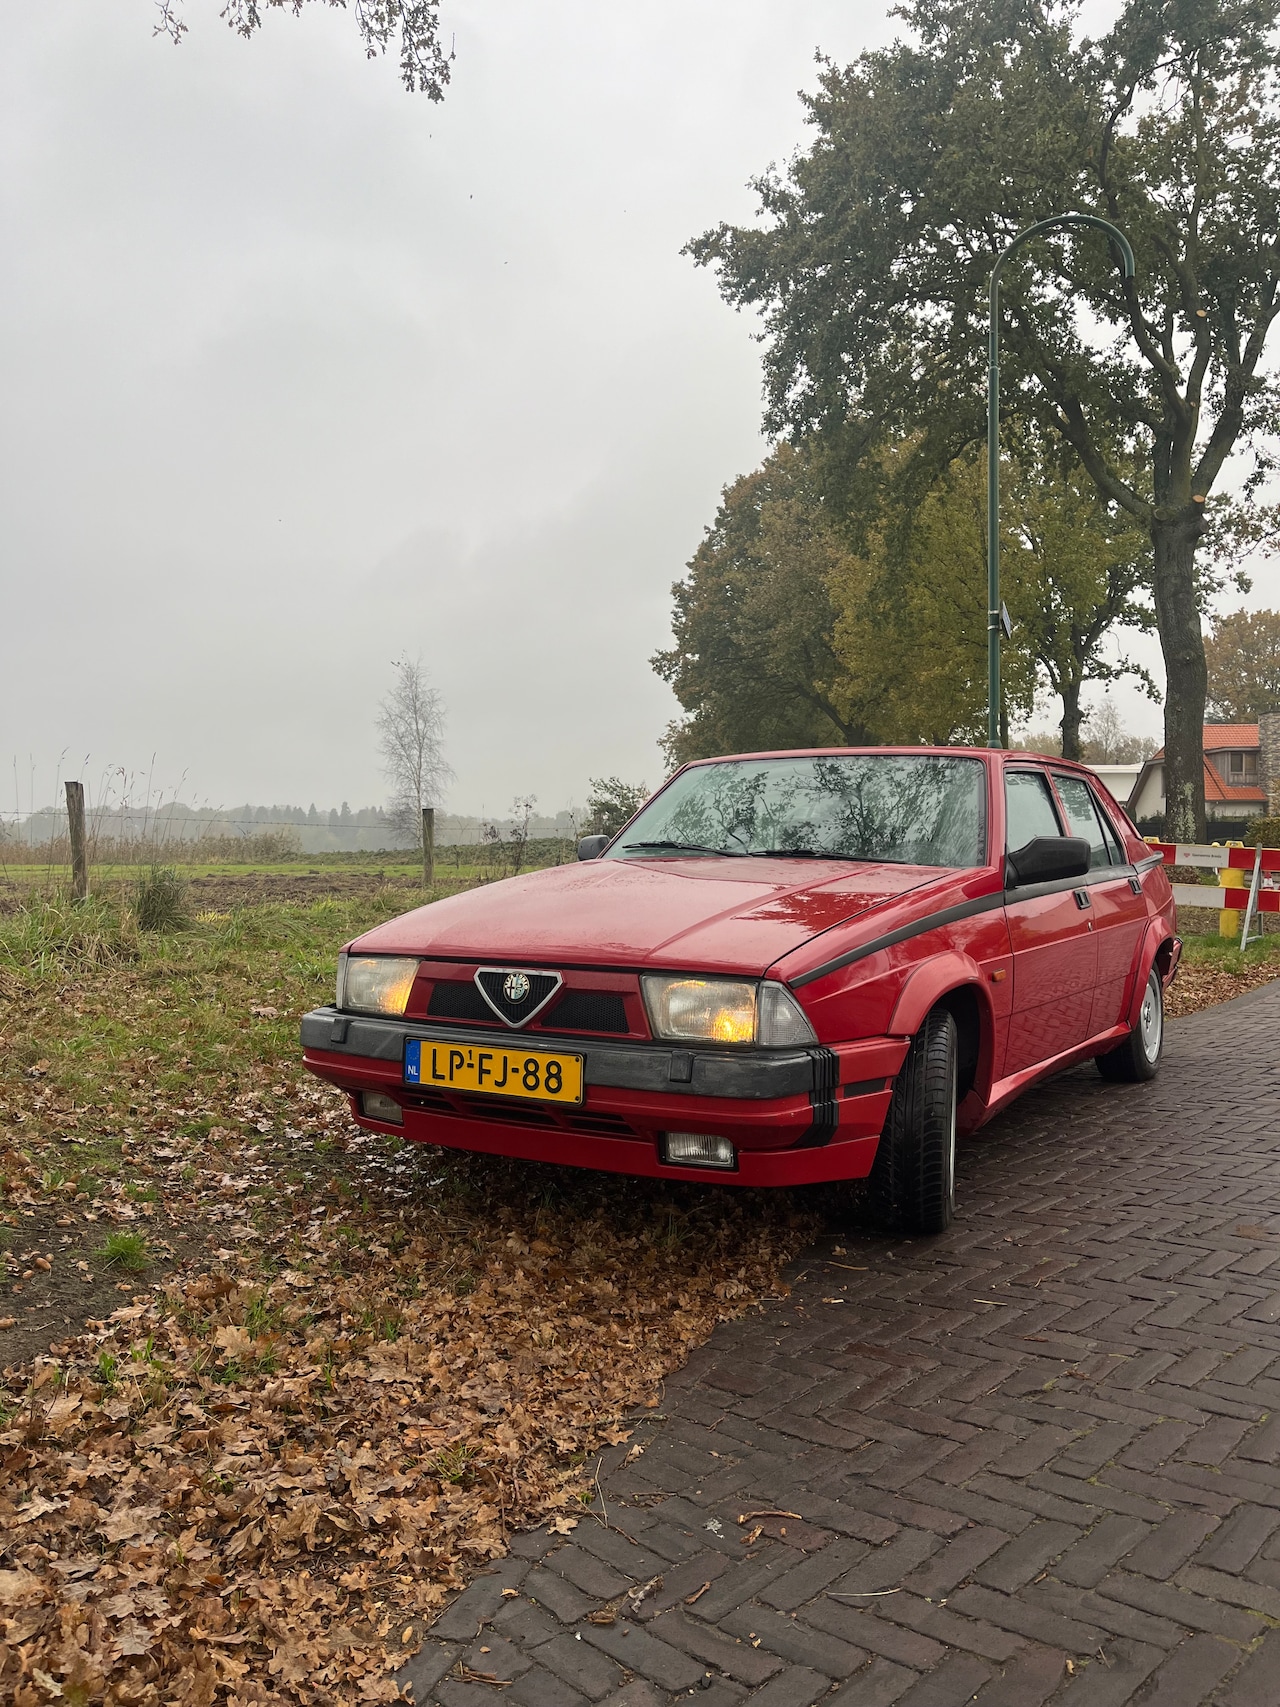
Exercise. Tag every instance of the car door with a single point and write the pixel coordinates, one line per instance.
(1055, 957)
(1119, 906)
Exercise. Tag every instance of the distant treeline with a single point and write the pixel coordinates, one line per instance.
(125, 834)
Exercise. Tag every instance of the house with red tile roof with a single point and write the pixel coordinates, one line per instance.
(1235, 778)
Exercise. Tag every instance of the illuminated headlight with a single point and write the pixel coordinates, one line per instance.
(375, 983)
(377, 1105)
(724, 1010)
(698, 1150)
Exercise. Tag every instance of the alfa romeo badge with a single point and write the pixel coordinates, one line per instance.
(515, 987)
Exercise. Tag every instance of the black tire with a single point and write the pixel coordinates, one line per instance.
(913, 1179)
(1138, 1057)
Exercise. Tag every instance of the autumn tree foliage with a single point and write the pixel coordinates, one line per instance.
(871, 264)
(1243, 654)
(754, 662)
(611, 803)
(800, 625)
(414, 25)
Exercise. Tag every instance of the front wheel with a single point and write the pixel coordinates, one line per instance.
(1138, 1057)
(913, 1178)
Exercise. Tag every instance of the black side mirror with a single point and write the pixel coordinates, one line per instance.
(1046, 859)
(591, 847)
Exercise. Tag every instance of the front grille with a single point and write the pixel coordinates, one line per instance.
(432, 1101)
(544, 1117)
(576, 1010)
(509, 1113)
(454, 1000)
(601, 1125)
(538, 987)
(587, 1010)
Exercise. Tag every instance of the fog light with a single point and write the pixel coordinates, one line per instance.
(698, 1150)
(376, 1105)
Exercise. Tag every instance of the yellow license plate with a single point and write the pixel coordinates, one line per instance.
(498, 1072)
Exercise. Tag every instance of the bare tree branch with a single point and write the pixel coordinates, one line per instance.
(424, 64)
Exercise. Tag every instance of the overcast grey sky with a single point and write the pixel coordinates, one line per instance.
(299, 370)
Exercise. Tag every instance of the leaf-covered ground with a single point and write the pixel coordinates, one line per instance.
(346, 1369)
(273, 1387)
(1213, 969)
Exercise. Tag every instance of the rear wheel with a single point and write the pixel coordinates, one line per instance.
(913, 1179)
(1138, 1057)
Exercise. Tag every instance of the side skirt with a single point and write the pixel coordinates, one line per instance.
(975, 1113)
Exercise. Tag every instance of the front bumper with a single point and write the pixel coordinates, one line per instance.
(795, 1116)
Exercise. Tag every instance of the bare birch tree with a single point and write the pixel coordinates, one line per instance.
(410, 737)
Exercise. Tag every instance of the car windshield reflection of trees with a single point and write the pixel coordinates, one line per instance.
(896, 810)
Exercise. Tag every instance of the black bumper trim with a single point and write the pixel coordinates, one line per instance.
(822, 1098)
(750, 1076)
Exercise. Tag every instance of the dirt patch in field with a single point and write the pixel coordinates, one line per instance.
(225, 892)
(57, 1278)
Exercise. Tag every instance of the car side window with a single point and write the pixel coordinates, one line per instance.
(1074, 793)
(1118, 854)
(1029, 809)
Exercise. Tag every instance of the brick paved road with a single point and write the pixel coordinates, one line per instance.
(1035, 1460)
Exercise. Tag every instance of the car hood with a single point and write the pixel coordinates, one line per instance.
(700, 913)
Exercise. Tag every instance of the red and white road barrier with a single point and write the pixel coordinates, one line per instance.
(1250, 886)
(1200, 895)
(1215, 857)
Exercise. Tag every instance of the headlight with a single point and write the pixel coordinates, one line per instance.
(376, 983)
(724, 1010)
(701, 1010)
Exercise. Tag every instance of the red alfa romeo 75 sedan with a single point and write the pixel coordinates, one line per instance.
(787, 968)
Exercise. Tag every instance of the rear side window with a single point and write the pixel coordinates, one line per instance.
(1118, 854)
(1082, 816)
(1028, 808)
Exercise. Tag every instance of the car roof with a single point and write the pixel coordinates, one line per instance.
(990, 755)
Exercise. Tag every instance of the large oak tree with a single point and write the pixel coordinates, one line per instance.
(871, 266)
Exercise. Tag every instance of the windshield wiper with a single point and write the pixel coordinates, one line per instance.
(684, 847)
(793, 853)
(817, 853)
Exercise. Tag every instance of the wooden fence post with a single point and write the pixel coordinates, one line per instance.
(79, 852)
(428, 845)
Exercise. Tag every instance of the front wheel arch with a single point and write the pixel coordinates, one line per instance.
(913, 1178)
(962, 1005)
(953, 981)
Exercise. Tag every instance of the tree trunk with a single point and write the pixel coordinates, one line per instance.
(1072, 718)
(1178, 622)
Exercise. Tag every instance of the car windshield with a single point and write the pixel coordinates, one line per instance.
(908, 810)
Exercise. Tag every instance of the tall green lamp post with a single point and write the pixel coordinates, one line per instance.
(995, 610)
